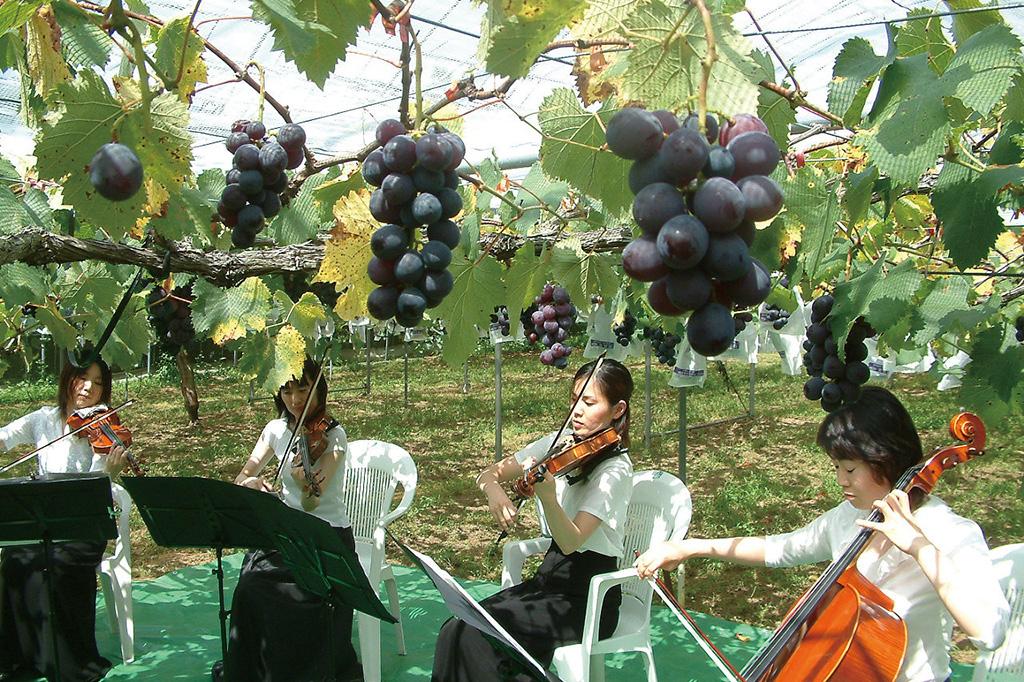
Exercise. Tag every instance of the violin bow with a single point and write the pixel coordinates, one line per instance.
(558, 436)
(305, 411)
(84, 426)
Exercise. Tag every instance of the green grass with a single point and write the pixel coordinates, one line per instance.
(751, 476)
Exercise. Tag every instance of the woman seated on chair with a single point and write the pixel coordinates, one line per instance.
(585, 513)
(25, 644)
(933, 563)
(279, 631)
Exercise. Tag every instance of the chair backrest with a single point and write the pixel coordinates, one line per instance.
(372, 473)
(123, 502)
(1007, 662)
(659, 509)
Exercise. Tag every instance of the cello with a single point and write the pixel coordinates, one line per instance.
(844, 629)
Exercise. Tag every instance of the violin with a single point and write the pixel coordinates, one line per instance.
(104, 430)
(309, 446)
(567, 460)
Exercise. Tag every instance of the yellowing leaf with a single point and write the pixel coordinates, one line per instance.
(306, 314)
(46, 65)
(289, 354)
(347, 253)
(228, 314)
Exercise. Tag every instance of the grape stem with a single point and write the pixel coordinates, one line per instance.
(419, 76)
(263, 88)
(403, 105)
(706, 64)
(798, 100)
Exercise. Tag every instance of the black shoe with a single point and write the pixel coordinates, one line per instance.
(216, 672)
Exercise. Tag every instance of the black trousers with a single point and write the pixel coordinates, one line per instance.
(280, 632)
(25, 611)
(541, 613)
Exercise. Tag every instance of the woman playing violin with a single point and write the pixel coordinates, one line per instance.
(278, 630)
(931, 562)
(24, 604)
(585, 512)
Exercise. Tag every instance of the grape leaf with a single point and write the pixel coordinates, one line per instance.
(14, 14)
(313, 34)
(767, 246)
(774, 109)
(812, 202)
(857, 199)
(470, 241)
(307, 314)
(946, 296)
(584, 274)
(908, 125)
(520, 30)
(882, 297)
(924, 36)
(603, 19)
(967, 24)
(46, 65)
(1015, 99)
(289, 352)
(525, 278)
(664, 68)
(570, 150)
(478, 288)
(303, 217)
(170, 40)
(333, 189)
(83, 42)
(856, 68)
(228, 314)
(131, 337)
(37, 209)
(13, 217)
(981, 71)
(21, 283)
(993, 383)
(966, 202)
(347, 253)
(537, 188)
(64, 335)
(1007, 149)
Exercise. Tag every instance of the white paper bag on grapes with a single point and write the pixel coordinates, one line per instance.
(788, 341)
(600, 336)
(415, 334)
(953, 370)
(744, 346)
(357, 328)
(880, 367)
(914, 361)
(494, 331)
(690, 368)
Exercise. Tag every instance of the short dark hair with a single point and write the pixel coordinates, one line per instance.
(70, 372)
(309, 371)
(615, 383)
(876, 429)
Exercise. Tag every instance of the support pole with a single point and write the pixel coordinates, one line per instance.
(497, 402)
(750, 397)
(149, 360)
(465, 377)
(405, 370)
(369, 337)
(647, 394)
(682, 434)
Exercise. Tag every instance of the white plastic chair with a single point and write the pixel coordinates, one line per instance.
(115, 573)
(1006, 664)
(660, 508)
(372, 473)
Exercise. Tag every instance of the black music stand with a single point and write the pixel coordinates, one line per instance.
(466, 609)
(200, 512)
(55, 508)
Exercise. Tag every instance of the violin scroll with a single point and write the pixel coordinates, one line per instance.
(968, 428)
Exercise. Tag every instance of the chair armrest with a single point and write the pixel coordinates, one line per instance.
(408, 494)
(514, 555)
(599, 586)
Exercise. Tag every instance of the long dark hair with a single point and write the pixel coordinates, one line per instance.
(615, 383)
(70, 372)
(309, 370)
(876, 429)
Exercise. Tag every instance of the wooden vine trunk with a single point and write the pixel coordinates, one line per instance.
(188, 386)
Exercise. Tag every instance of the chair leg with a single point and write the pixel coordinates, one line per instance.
(392, 587)
(108, 601)
(596, 667)
(652, 673)
(369, 646)
(121, 586)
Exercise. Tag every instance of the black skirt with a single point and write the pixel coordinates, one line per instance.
(25, 611)
(541, 613)
(280, 632)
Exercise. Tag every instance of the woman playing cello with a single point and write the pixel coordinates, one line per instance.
(932, 563)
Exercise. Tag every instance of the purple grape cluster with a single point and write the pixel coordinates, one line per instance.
(500, 318)
(697, 199)
(833, 381)
(171, 317)
(552, 315)
(416, 180)
(778, 317)
(1019, 326)
(624, 330)
(257, 176)
(663, 344)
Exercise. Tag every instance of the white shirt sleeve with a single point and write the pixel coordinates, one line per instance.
(964, 544)
(536, 449)
(807, 545)
(21, 431)
(609, 488)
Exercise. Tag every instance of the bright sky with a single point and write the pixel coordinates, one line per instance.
(365, 88)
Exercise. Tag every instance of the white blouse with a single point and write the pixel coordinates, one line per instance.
(331, 508)
(605, 494)
(898, 575)
(73, 455)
